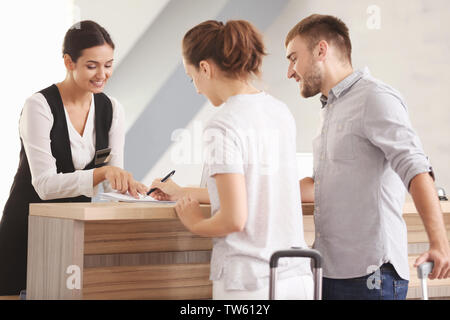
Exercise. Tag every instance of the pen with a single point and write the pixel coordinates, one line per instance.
(163, 180)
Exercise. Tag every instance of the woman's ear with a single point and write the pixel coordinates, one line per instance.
(205, 68)
(68, 62)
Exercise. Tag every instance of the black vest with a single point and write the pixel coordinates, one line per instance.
(14, 223)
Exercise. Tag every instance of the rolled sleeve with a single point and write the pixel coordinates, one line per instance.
(387, 126)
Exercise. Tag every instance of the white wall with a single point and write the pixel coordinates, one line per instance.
(409, 52)
(32, 33)
(125, 20)
(156, 42)
(185, 155)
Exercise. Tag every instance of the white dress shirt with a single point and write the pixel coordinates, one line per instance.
(35, 125)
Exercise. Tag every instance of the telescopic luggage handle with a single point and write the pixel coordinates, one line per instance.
(423, 271)
(316, 258)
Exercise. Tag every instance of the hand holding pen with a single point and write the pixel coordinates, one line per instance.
(165, 189)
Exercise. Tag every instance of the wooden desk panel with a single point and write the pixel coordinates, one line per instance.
(180, 281)
(142, 251)
(124, 236)
(54, 245)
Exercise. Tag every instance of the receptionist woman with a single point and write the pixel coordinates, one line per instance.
(72, 139)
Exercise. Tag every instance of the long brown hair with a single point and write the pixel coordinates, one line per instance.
(236, 47)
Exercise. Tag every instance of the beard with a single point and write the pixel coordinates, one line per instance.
(312, 82)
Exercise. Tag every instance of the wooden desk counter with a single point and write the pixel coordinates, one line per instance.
(107, 211)
(142, 251)
(115, 251)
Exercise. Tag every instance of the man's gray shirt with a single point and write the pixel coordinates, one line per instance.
(365, 155)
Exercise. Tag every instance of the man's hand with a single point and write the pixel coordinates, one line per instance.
(307, 190)
(441, 261)
(426, 199)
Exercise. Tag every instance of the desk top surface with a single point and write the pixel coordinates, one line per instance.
(143, 211)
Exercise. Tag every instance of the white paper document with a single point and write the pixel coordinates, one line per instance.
(117, 196)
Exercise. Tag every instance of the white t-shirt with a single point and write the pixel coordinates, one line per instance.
(35, 125)
(255, 135)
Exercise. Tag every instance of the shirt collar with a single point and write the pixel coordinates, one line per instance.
(345, 84)
(323, 100)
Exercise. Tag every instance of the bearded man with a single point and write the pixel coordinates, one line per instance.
(366, 156)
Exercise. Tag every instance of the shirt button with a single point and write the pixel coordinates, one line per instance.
(318, 234)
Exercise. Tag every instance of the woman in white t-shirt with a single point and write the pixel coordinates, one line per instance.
(250, 165)
(72, 139)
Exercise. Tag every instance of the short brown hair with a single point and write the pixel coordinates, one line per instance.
(323, 27)
(236, 47)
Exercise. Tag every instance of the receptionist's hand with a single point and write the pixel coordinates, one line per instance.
(135, 188)
(123, 181)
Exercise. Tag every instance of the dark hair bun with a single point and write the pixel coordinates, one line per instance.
(83, 35)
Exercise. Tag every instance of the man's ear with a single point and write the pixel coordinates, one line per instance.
(68, 62)
(321, 50)
(205, 68)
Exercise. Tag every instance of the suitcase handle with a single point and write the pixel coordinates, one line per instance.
(423, 271)
(297, 253)
(315, 256)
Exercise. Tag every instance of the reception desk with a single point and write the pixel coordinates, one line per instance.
(142, 251)
(115, 251)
